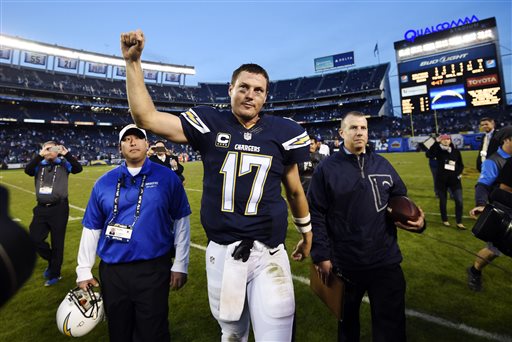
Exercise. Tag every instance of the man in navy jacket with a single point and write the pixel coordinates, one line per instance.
(348, 196)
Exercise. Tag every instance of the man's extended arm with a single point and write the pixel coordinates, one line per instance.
(179, 268)
(142, 108)
(300, 210)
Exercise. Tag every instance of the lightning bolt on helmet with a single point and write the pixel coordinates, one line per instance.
(80, 312)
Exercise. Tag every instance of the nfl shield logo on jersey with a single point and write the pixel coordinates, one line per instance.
(247, 135)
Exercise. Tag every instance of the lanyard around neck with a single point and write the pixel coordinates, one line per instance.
(118, 195)
(41, 180)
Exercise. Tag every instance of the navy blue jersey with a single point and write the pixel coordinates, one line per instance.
(243, 169)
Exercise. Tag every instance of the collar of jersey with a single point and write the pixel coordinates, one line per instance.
(239, 124)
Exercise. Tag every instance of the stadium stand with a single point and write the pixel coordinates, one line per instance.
(85, 112)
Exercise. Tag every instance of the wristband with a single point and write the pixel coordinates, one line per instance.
(302, 224)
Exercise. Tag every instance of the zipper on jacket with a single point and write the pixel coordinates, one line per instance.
(360, 162)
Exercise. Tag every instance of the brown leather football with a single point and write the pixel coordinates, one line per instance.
(402, 209)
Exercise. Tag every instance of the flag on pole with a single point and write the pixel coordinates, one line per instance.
(376, 49)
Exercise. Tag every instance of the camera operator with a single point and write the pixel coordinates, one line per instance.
(159, 154)
(50, 169)
(505, 177)
(487, 182)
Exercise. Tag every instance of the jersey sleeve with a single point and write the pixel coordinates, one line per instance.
(295, 142)
(194, 125)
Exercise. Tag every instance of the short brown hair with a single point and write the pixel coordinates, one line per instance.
(253, 69)
(486, 118)
(351, 113)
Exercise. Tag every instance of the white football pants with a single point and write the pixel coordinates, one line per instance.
(269, 300)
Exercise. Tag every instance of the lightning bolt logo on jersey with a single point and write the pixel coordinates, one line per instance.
(243, 169)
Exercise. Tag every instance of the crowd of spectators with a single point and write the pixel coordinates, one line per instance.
(70, 98)
(20, 143)
(341, 82)
(88, 143)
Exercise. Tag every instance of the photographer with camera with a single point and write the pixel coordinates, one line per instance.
(50, 169)
(487, 182)
(159, 154)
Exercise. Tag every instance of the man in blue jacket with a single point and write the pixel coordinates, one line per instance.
(487, 182)
(348, 196)
(137, 218)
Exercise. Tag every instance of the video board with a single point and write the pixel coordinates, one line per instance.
(467, 75)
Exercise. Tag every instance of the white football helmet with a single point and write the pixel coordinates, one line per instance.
(80, 312)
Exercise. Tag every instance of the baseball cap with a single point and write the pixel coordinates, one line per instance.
(132, 129)
(504, 133)
(444, 136)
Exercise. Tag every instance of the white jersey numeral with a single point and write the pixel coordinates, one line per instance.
(248, 162)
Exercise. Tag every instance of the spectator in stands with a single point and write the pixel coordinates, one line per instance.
(159, 154)
(50, 169)
(487, 181)
(489, 143)
(322, 148)
(353, 236)
(306, 169)
(335, 146)
(448, 176)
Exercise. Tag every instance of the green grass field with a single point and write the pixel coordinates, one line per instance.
(440, 307)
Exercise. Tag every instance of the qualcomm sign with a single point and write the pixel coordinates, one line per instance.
(411, 35)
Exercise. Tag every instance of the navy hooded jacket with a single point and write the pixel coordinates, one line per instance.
(348, 197)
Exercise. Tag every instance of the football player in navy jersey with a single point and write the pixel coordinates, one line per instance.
(246, 156)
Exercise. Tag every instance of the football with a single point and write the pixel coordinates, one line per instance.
(402, 209)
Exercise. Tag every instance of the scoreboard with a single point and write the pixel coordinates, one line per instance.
(464, 75)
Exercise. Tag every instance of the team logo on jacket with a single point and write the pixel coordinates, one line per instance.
(222, 140)
(380, 187)
(247, 135)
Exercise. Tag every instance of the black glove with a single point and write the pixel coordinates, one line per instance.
(243, 250)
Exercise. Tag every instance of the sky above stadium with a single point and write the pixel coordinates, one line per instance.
(217, 36)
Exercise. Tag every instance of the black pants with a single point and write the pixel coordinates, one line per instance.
(456, 190)
(386, 290)
(50, 220)
(136, 297)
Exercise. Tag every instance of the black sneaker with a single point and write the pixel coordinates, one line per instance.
(474, 281)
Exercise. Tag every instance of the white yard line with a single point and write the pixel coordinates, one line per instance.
(411, 313)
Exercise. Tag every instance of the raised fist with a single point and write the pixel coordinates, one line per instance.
(132, 44)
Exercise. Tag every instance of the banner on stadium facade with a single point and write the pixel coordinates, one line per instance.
(334, 61)
(395, 145)
(121, 71)
(380, 145)
(35, 58)
(150, 75)
(171, 77)
(97, 68)
(67, 63)
(5, 53)
(344, 59)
